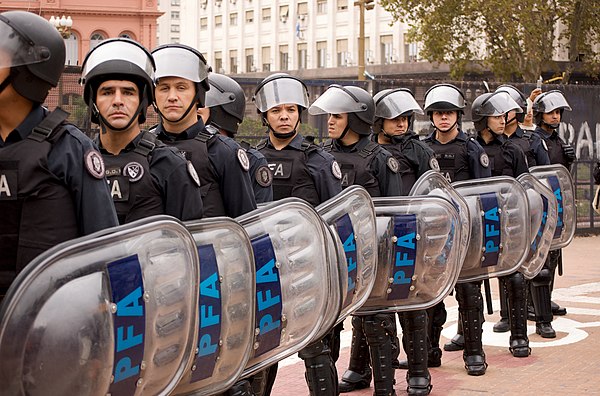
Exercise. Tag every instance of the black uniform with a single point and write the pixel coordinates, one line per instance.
(532, 145)
(222, 167)
(506, 158)
(460, 159)
(148, 178)
(52, 189)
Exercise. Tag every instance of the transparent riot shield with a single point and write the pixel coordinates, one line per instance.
(289, 244)
(226, 307)
(558, 179)
(351, 216)
(499, 227)
(109, 313)
(543, 215)
(418, 253)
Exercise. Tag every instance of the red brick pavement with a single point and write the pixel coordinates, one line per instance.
(569, 364)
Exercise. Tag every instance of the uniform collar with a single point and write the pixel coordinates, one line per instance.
(33, 119)
(129, 147)
(189, 133)
(295, 143)
(545, 135)
(362, 142)
(460, 137)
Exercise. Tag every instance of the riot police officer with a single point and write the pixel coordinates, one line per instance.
(548, 109)
(145, 177)
(351, 112)
(459, 158)
(394, 115)
(222, 165)
(506, 159)
(223, 112)
(304, 170)
(52, 183)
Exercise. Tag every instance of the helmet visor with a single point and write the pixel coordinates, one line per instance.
(281, 91)
(515, 94)
(179, 62)
(396, 103)
(17, 49)
(217, 96)
(497, 104)
(127, 51)
(449, 96)
(337, 100)
(551, 101)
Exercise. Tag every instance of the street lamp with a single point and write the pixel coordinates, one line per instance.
(62, 24)
(363, 5)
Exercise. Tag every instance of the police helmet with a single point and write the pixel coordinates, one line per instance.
(34, 51)
(391, 103)
(118, 59)
(548, 102)
(490, 105)
(226, 101)
(444, 97)
(354, 101)
(178, 60)
(517, 96)
(278, 89)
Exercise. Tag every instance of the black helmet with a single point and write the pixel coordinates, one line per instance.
(444, 97)
(490, 105)
(391, 103)
(226, 101)
(517, 96)
(37, 54)
(548, 102)
(118, 59)
(354, 101)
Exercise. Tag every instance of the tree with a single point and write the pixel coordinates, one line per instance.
(514, 39)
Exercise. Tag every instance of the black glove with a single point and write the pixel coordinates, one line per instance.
(597, 173)
(569, 152)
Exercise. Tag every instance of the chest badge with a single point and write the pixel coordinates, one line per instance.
(134, 171)
(94, 164)
(484, 160)
(335, 169)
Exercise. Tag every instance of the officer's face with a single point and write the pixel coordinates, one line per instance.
(173, 97)
(444, 119)
(204, 113)
(283, 118)
(396, 126)
(336, 123)
(511, 115)
(117, 101)
(496, 124)
(552, 118)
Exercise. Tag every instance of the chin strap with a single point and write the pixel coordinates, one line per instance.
(551, 126)
(447, 130)
(193, 104)
(286, 135)
(7, 81)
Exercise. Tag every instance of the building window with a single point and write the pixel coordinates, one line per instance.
(302, 9)
(233, 19)
(302, 56)
(411, 50)
(322, 54)
(95, 39)
(219, 62)
(387, 49)
(72, 50)
(127, 35)
(203, 23)
(233, 62)
(175, 2)
(218, 21)
(250, 16)
(175, 28)
(284, 13)
(250, 60)
(283, 57)
(266, 15)
(342, 53)
(174, 14)
(342, 5)
(321, 7)
(266, 58)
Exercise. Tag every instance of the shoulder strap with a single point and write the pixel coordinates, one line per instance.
(146, 145)
(45, 128)
(369, 149)
(262, 144)
(204, 136)
(245, 145)
(328, 145)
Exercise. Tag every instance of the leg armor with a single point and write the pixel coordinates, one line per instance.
(436, 317)
(379, 330)
(414, 338)
(516, 289)
(555, 258)
(540, 293)
(358, 375)
(470, 307)
(240, 388)
(502, 326)
(321, 374)
(262, 382)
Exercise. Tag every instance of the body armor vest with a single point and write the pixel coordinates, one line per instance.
(291, 177)
(524, 143)
(37, 209)
(407, 169)
(355, 166)
(498, 162)
(131, 186)
(453, 160)
(196, 151)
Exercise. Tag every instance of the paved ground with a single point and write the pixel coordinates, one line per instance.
(568, 364)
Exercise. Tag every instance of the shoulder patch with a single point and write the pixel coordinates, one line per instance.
(335, 169)
(94, 164)
(134, 171)
(193, 173)
(544, 145)
(264, 176)
(484, 160)
(243, 159)
(392, 163)
(434, 164)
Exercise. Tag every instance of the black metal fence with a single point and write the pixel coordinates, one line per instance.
(581, 127)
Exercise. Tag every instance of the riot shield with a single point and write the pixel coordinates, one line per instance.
(226, 307)
(418, 253)
(289, 244)
(558, 179)
(543, 215)
(351, 216)
(110, 313)
(499, 227)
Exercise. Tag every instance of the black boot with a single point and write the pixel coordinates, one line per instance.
(470, 306)
(358, 375)
(436, 317)
(540, 294)
(321, 374)
(555, 258)
(240, 388)
(502, 325)
(378, 330)
(414, 338)
(516, 290)
(457, 343)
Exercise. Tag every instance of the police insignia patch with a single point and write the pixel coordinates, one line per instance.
(243, 158)
(392, 163)
(94, 164)
(134, 171)
(485, 160)
(193, 173)
(544, 145)
(264, 176)
(335, 169)
(434, 164)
